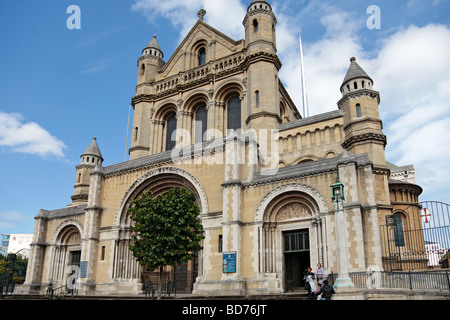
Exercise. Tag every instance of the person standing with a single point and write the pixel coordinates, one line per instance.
(319, 274)
(308, 277)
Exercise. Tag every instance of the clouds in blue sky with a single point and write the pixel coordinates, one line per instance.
(28, 137)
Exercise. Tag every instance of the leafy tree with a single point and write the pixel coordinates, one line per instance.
(166, 228)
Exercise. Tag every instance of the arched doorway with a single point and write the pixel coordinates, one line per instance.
(293, 234)
(66, 252)
(125, 266)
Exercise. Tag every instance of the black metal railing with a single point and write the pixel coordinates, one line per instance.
(167, 288)
(54, 293)
(433, 280)
(417, 237)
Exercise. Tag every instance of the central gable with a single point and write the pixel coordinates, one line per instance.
(202, 36)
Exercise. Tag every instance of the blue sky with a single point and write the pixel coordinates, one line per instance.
(59, 87)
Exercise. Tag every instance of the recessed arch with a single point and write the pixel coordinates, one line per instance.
(315, 199)
(159, 181)
(164, 111)
(66, 230)
(229, 88)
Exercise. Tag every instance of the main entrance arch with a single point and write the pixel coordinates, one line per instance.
(65, 251)
(292, 233)
(159, 182)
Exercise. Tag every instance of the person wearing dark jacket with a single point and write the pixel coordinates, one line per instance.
(326, 291)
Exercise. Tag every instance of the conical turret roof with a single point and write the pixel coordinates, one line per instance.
(354, 72)
(153, 44)
(93, 150)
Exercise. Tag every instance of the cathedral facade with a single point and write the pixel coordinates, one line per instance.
(216, 119)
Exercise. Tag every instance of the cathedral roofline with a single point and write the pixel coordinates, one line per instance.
(199, 22)
(310, 120)
(60, 213)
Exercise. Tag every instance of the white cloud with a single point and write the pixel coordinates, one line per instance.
(183, 14)
(326, 60)
(11, 219)
(27, 137)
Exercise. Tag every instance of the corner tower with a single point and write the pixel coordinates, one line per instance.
(149, 64)
(259, 24)
(263, 90)
(362, 123)
(90, 158)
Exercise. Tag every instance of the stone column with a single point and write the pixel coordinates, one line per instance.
(232, 283)
(343, 282)
(32, 284)
(89, 238)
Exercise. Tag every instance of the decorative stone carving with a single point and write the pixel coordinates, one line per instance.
(293, 211)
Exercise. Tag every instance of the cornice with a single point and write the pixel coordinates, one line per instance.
(263, 114)
(359, 93)
(253, 12)
(372, 136)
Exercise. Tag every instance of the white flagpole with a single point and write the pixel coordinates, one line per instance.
(128, 130)
(304, 95)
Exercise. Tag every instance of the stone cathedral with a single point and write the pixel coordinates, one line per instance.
(216, 119)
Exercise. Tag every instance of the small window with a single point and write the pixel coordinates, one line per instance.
(398, 231)
(136, 130)
(355, 85)
(358, 110)
(103, 253)
(79, 178)
(220, 248)
(201, 56)
(257, 98)
(255, 25)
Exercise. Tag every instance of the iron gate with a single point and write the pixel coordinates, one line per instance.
(417, 237)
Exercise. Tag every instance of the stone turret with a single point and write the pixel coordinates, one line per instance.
(150, 62)
(362, 123)
(90, 158)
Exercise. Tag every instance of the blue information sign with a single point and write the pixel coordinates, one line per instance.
(229, 262)
(83, 269)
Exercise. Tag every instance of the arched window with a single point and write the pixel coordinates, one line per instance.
(201, 56)
(171, 126)
(234, 113)
(201, 123)
(358, 110)
(398, 231)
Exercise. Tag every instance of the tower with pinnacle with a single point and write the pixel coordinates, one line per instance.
(362, 123)
(90, 158)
